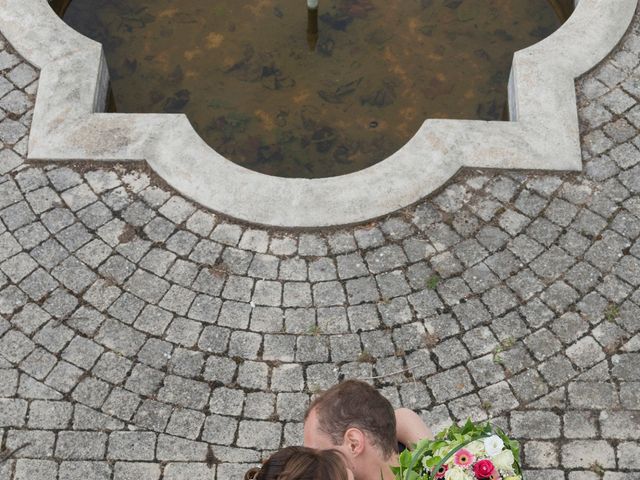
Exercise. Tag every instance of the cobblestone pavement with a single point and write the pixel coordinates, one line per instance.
(144, 338)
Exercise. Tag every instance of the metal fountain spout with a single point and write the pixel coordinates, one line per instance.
(312, 24)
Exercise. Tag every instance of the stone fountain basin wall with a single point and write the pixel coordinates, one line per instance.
(543, 132)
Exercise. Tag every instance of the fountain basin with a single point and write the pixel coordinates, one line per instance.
(68, 125)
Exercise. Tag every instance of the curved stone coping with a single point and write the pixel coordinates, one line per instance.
(544, 134)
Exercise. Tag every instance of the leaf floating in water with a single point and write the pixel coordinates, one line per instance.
(452, 4)
(269, 154)
(273, 79)
(324, 138)
(128, 24)
(343, 152)
(249, 68)
(359, 8)
(130, 65)
(247, 54)
(342, 91)
(309, 115)
(349, 88)
(229, 126)
(383, 97)
(269, 71)
(135, 19)
(285, 137)
(338, 21)
(177, 102)
(325, 47)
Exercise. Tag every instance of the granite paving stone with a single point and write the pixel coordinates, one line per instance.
(121, 404)
(131, 446)
(81, 445)
(184, 392)
(26, 469)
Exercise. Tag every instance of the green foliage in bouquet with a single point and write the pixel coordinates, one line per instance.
(429, 456)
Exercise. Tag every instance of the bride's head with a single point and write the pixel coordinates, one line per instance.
(301, 463)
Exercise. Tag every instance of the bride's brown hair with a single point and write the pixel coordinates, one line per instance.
(301, 463)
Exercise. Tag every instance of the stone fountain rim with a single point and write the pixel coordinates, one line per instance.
(68, 125)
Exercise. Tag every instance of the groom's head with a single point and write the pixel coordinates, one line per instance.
(354, 418)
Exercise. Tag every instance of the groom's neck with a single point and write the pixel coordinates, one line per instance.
(379, 469)
(392, 461)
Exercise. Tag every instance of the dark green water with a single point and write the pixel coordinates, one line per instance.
(244, 74)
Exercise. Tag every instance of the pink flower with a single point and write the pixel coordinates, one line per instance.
(483, 469)
(441, 471)
(463, 458)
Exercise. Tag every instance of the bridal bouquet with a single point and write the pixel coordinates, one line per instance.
(471, 452)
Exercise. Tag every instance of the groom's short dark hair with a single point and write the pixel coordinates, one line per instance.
(356, 404)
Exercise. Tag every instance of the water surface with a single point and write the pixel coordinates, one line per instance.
(244, 73)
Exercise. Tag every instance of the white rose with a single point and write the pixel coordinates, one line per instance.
(456, 473)
(477, 448)
(493, 445)
(504, 461)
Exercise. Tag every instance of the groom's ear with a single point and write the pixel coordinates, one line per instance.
(354, 440)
